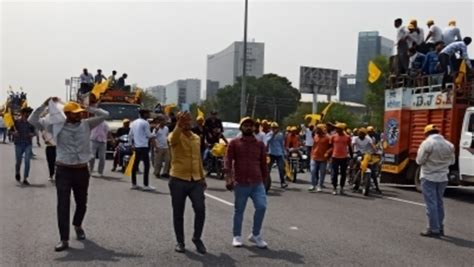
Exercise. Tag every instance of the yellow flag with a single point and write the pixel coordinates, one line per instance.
(200, 113)
(462, 72)
(326, 109)
(374, 72)
(100, 88)
(314, 118)
(169, 108)
(128, 170)
(8, 119)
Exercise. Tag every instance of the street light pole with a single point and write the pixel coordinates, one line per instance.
(243, 106)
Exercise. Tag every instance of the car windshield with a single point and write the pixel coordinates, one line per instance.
(121, 111)
(230, 133)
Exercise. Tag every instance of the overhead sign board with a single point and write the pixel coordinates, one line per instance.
(318, 80)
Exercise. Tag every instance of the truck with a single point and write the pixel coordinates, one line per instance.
(409, 107)
(120, 104)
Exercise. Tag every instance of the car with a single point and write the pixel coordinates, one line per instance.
(231, 130)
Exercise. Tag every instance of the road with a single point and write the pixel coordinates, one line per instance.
(126, 227)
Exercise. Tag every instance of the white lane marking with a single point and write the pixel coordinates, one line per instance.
(293, 228)
(219, 199)
(406, 201)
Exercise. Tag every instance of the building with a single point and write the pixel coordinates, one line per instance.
(159, 92)
(370, 45)
(183, 92)
(223, 68)
(347, 89)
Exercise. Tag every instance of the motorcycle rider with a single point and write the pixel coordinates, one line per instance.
(211, 139)
(365, 145)
(124, 130)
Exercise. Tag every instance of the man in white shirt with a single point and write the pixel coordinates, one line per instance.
(401, 47)
(87, 81)
(435, 155)
(451, 33)
(309, 141)
(417, 35)
(447, 56)
(162, 151)
(363, 145)
(435, 34)
(140, 135)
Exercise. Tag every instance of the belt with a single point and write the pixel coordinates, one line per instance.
(76, 166)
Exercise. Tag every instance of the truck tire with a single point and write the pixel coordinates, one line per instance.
(417, 179)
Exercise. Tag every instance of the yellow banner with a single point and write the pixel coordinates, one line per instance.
(396, 169)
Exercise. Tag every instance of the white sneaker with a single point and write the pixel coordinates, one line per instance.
(237, 241)
(135, 187)
(149, 188)
(258, 240)
(318, 189)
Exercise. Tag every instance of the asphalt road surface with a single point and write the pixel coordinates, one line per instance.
(127, 228)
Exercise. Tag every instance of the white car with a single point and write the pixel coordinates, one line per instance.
(231, 130)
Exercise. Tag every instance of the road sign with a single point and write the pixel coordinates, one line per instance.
(318, 80)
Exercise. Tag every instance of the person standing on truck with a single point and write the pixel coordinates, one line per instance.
(402, 47)
(341, 151)
(162, 150)
(112, 80)
(72, 157)
(98, 143)
(99, 77)
(447, 57)
(87, 82)
(451, 33)
(435, 34)
(139, 136)
(435, 155)
(121, 82)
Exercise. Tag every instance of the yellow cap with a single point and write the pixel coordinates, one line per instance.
(430, 127)
(125, 120)
(200, 118)
(321, 126)
(73, 107)
(452, 23)
(340, 125)
(293, 128)
(355, 130)
(246, 119)
(413, 22)
(430, 21)
(288, 128)
(370, 128)
(274, 125)
(264, 122)
(362, 130)
(257, 121)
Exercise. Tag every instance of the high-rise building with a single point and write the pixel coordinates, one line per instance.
(225, 67)
(347, 89)
(183, 92)
(159, 92)
(370, 45)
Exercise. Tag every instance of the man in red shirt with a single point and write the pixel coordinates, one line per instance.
(319, 158)
(246, 168)
(340, 151)
(292, 139)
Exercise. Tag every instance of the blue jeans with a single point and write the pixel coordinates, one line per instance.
(280, 161)
(21, 149)
(318, 172)
(433, 194)
(259, 198)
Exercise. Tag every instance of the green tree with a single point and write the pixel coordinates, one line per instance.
(268, 97)
(148, 101)
(375, 97)
(337, 112)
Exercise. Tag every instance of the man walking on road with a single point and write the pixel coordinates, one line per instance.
(276, 151)
(341, 150)
(319, 159)
(162, 150)
(435, 155)
(140, 135)
(72, 157)
(98, 145)
(23, 133)
(246, 169)
(187, 180)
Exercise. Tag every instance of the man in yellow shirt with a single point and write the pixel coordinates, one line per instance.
(187, 180)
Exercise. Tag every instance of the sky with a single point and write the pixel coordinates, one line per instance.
(158, 42)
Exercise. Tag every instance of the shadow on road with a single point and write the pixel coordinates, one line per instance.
(32, 185)
(93, 252)
(460, 194)
(110, 178)
(285, 255)
(211, 259)
(459, 241)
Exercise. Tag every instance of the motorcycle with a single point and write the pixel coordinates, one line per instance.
(124, 150)
(360, 174)
(215, 161)
(297, 159)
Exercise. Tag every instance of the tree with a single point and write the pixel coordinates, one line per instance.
(337, 112)
(148, 101)
(268, 97)
(375, 97)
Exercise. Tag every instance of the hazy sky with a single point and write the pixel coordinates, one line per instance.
(157, 42)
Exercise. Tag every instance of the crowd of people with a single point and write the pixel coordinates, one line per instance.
(87, 81)
(435, 53)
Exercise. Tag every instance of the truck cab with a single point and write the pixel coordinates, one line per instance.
(466, 148)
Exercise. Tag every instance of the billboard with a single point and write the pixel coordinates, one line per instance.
(318, 80)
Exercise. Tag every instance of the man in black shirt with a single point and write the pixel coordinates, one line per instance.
(99, 77)
(212, 123)
(125, 130)
(121, 82)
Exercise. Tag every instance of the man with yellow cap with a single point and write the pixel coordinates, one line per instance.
(435, 34)
(319, 158)
(72, 156)
(246, 169)
(340, 152)
(276, 152)
(417, 35)
(435, 155)
(451, 33)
